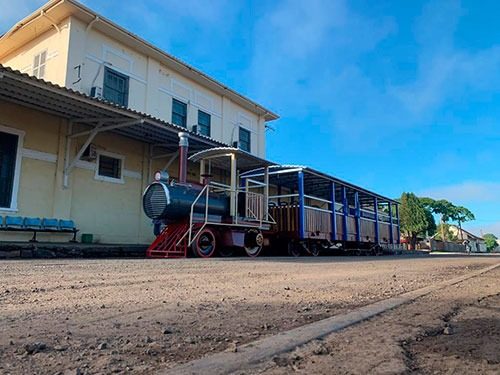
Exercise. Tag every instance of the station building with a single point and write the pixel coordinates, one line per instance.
(88, 111)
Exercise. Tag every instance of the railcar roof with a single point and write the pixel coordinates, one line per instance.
(314, 181)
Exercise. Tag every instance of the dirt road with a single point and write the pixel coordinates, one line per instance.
(138, 316)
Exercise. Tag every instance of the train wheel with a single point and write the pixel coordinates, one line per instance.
(294, 249)
(315, 249)
(253, 242)
(205, 244)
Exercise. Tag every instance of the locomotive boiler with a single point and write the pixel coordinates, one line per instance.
(171, 202)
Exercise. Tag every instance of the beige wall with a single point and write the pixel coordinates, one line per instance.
(55, 43)
(152, 86)
(78, 53)
(111, 211)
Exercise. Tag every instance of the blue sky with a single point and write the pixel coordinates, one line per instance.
(394, 96)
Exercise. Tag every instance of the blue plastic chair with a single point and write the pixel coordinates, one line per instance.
(50, 224)
(67, 225)
(32, 223)
(1, 221)
(14, 222)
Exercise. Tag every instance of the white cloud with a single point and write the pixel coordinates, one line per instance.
(469, 191)
(445, 71)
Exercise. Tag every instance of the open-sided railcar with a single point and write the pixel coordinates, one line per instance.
(315, 211)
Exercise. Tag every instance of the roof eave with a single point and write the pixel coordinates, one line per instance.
(249, 104)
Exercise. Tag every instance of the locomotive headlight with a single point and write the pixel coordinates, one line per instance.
(161, 176)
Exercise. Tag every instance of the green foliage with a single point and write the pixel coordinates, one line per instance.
(461, 214)
(491, 241)
(431, 224)
(412, 214)
(443, 229)
(413, 217)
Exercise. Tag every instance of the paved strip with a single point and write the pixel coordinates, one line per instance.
(256, 352)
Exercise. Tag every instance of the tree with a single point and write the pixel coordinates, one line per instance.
(460, 215)
(413, 217)
(491, 241)
(448, 211)
(431, 224)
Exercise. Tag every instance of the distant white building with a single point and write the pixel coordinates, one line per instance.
(476, 243)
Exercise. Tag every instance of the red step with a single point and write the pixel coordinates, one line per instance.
(165, 245)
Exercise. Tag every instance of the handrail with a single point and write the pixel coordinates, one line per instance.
(190, 229)
(318, 209)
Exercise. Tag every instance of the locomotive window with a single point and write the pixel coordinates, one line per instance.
(109, 168)
(244, 142)
(204, 123)
(179, 113)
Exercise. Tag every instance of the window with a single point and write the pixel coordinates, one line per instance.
(244, 142)
(204, 123)
(179, 113)
(39, 65)
(109, 168)
(115, 88)
(10, 160)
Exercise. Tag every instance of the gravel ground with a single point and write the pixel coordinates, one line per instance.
(452, 331)
(138, 316)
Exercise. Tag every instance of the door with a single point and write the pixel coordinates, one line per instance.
(8, 153)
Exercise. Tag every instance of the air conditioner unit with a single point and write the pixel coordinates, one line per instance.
(90, 153)
(96, 92)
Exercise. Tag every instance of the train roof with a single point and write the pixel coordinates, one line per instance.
(245, 160)
(314, 180)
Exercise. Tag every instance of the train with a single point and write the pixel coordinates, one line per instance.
(246, 203)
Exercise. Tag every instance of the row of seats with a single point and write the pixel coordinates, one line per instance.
(35, 223)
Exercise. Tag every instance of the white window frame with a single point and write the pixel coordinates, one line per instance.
(98, 177)
(17, 172)
(40, 65)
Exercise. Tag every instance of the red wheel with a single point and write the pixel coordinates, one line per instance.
(205, 244)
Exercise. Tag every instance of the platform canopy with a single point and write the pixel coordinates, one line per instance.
(97, 113)
(220, 158)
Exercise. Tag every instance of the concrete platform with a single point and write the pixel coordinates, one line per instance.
(69, 250)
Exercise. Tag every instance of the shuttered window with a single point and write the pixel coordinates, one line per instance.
(115, 88)
(204, 123)
(39, 65)
(244, 142)
(179, 113)
(8, 154)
